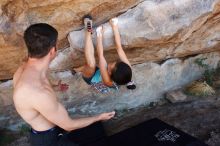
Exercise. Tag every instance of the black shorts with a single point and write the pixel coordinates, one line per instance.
(52, 137)
(58, 137)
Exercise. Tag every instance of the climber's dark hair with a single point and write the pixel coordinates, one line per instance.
(121, 73)
(39, 39)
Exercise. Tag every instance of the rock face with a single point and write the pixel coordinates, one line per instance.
(151, 30)
(152, 80)
(158, 30)
(64, 15)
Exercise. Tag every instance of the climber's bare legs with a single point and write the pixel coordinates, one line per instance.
(89, 68)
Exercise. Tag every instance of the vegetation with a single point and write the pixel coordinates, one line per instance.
(203, 87)
(200, 89)
(209, 73)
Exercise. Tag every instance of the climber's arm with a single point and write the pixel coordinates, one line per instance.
(119, 48)
(102, 61)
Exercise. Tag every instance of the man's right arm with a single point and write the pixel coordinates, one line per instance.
(51, 109)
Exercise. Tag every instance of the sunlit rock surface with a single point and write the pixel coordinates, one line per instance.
(151, 30)
(158, 30)
(152, 80)
(64, 15)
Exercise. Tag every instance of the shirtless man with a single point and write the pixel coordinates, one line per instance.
(34, 97)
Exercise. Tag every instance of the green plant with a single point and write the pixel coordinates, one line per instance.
(209, 76)
(209, 73)
(200, 62)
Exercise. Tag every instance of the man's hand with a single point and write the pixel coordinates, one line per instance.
(106, 116)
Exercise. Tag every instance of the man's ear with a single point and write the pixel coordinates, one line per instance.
(52, 50)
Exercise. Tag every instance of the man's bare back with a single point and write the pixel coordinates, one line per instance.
(28, 83)
(37, 103)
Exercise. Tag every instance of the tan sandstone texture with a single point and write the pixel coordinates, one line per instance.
(151, 30)
(158, 30)
(65, 15)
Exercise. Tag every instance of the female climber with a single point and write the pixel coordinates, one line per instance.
(105, 76)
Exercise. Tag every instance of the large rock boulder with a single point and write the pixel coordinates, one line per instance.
(153, 81)
(64, 15)
(158, 30)
(151, 30)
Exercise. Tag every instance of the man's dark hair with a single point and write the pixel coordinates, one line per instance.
(121, 73)
(39, 39)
